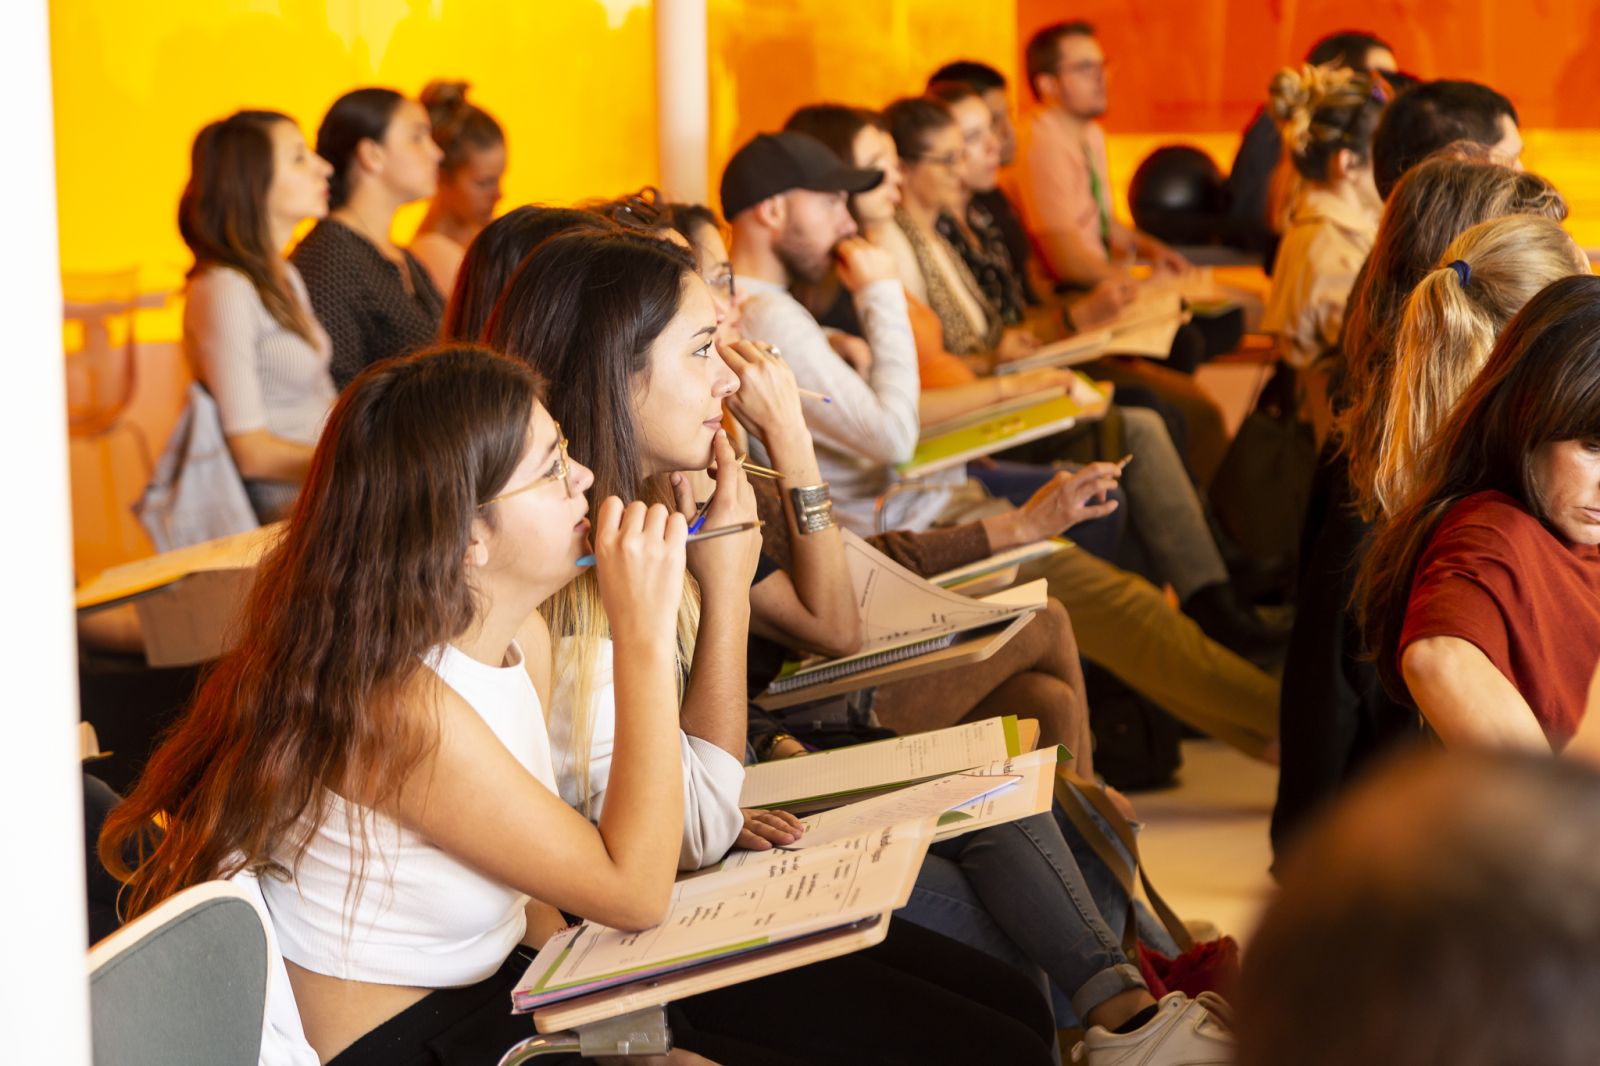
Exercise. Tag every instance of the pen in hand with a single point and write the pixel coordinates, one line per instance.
(585, 561)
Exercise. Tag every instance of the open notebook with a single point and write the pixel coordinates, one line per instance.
(777, 896)
(904, 615)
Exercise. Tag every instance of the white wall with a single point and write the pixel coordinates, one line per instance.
(43, 991)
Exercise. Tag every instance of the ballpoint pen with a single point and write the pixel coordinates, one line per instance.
(710, 534)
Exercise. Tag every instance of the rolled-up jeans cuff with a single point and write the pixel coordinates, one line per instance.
(1105, 984)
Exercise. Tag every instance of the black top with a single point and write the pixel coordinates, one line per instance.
(1248, 184)
(1000, 214)
(989, 261)
(361, 300)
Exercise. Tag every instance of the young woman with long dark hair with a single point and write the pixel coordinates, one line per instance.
(652, 400)
(1335, 714)
(374, 297)
(375, 749)
(248, 329)
(1481, 597)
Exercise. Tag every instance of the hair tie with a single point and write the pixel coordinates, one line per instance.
(1462, 269)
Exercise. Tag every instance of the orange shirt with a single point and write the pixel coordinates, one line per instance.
(1053, 180)
(936, 366)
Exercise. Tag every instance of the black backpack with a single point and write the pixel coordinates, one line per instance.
(1135, 742)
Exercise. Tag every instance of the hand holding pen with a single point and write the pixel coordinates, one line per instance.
(728, 561)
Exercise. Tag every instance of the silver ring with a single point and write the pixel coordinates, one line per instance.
(772, 349)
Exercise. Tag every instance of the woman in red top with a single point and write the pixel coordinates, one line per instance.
(1481, 598)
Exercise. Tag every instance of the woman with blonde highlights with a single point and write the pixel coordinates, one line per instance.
(624, 325)
(1334, 714)
(1450, 325)
(1325, 202)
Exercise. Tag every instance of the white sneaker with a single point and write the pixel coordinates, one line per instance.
(1184, 1032)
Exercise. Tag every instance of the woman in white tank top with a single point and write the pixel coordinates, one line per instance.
(375, 750)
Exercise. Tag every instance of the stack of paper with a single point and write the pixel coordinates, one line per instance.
(853, 771)
(994, 434)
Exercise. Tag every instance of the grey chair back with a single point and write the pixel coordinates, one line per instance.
(183, 985)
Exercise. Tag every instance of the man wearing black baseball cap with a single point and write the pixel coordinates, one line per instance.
(1122, 621)
(786, 196)
(774, 163)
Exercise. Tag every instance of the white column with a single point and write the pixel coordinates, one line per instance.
(682, 99)
(44, 1014)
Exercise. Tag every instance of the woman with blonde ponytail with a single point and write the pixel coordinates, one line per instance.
(1450, 325)
(1323, 200)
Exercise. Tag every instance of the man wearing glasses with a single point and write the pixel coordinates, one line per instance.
(1062, 174)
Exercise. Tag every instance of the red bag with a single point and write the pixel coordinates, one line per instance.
(1209, 966)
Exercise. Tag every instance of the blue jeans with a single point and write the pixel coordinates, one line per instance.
(1016, 482)
(1016, 891)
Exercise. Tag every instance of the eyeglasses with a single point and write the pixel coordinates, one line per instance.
(1087, 68)
(724, 282)
(562, 472)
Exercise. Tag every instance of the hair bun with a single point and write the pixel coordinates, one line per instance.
(445, 99)
(1295, 94)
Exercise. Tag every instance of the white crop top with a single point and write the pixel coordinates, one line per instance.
(422, 917)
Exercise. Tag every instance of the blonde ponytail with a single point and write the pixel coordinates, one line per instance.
(1448, 329)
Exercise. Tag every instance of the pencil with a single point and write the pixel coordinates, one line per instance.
(761, 471)
(710, 534)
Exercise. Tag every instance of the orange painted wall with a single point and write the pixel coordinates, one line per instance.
(769, 58)
(1196, 70)
(1204, 64)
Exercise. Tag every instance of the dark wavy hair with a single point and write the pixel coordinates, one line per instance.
(583, 310)
(222, 214)
(494, 255)
(1541, 385)
(366, 579)
(358, 115)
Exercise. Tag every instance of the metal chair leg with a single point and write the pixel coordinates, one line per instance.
(643, 1032)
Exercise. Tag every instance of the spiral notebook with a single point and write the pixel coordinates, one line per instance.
(833, 669)
(903, 615)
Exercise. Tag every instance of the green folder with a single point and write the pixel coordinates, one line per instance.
(987, 437)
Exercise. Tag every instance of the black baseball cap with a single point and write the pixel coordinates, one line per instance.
(771, 163)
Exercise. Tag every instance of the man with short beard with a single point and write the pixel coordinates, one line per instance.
(784, 195)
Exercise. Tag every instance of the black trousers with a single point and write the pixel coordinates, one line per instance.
(916, 998)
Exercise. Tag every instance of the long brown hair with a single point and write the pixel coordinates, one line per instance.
(1541, 385)
(1433, 204)
(583, 310)
(367, 578)
(222, 214)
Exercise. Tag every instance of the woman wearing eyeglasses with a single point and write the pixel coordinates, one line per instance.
(375, 747)
(932, 151)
